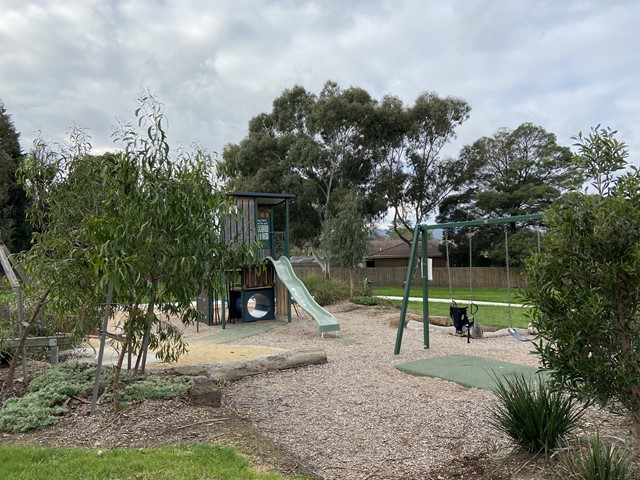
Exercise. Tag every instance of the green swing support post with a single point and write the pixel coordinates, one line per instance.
(420, 233)
(286, 253)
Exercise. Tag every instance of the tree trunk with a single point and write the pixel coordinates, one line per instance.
(631, 360)
(322, 262)
(148, 325)
(23, 338)
(115, 385)
(635, 419)
(18, 354)
(117, 368)
(103, 338)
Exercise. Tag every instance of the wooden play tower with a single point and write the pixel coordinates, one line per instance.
(253, 292)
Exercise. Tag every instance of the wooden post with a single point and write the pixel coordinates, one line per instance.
(53, 351)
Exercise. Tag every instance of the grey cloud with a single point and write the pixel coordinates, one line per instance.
(564, 65)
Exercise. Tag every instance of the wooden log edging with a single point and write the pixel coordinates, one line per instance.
(228, 371)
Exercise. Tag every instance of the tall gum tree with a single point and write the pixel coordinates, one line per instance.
(413, 173)
(317, 147)
(515, 172)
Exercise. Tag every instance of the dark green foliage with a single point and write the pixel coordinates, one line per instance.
(413, 175)
(323, 147)
(534, 416)
(346, 236)
(369, 300)
(516, 172)
(14, 229)
(596, 461)
(584, 285)
(50, 388)
(326, 291)
(316, 146)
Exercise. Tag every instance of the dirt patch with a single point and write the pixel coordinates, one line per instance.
(203, 352)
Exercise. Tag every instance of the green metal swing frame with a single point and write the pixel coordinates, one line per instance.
(420, 235)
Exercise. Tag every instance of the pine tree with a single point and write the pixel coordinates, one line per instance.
(15, 232)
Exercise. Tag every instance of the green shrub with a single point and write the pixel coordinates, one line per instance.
(596, 461)
(152, 388)
(326, 291)
(534, 416)
(28, 413)
(50, 388)
(369, 300)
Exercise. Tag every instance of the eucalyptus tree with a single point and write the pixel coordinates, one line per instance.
(318, 147)
(414, 174)
(161, 239)
(516, 172)
(346, 237)
(144, 220)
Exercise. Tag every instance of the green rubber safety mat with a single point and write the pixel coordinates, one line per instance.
(236, 331)
(470, 371)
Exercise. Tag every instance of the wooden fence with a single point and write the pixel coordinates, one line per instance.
(495, 277)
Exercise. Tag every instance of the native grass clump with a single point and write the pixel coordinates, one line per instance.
(596, 460)
(48, 391)
(535, 417)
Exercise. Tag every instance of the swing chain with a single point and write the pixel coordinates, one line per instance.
(470, 269)
(446, 247)
(506, 249)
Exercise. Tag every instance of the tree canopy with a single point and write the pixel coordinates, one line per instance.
(346, 238)
(414, 176)
(515, 172)
(316, 146)
(329, 147)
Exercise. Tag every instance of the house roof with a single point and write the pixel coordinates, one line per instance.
(388, 248)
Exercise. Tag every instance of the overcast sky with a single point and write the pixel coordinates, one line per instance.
(564, 65)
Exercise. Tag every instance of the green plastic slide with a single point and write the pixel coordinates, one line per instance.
(326, 322)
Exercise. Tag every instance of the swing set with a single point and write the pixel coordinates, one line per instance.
(463, 317)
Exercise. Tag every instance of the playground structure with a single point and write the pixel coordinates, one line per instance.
(262, 291)
(420, 237)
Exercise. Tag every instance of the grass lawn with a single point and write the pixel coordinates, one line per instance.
(488, 316)
(164, 463)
